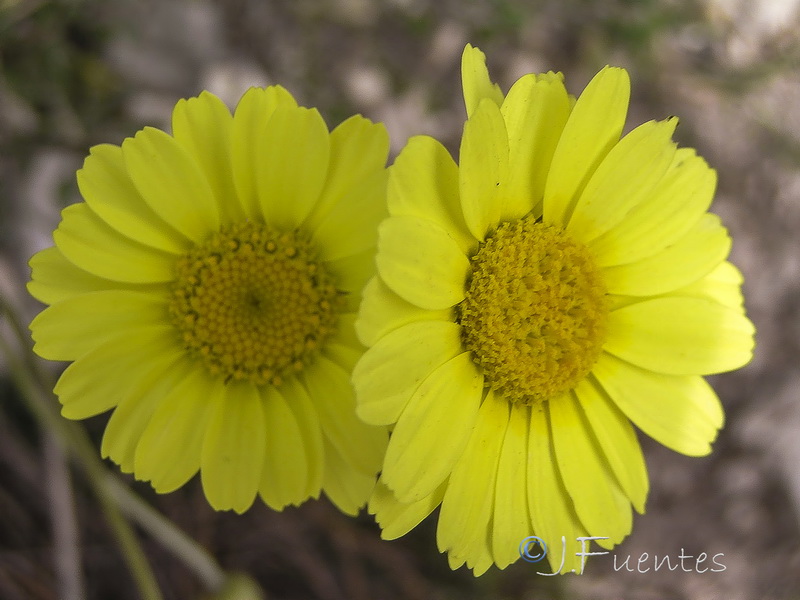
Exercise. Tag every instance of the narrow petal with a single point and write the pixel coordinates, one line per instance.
(593, 128)
(382, 311)
(421, 263)
(552, 513)
(359, 149)
(71, 328)
(124, 359)
(535, 111)
(397, 518)
(108, 190)
(444, 407)
(390, 372)
(233, 451)
(86, 241)
(681, 412)
(423, 182)
(249, 127)
(672, 208)
(475, 80)
(171, 183)
(284, 479)
(138, 401)
(617, 439)
(691, 258)
(352, 273)
(361, 445)
(469, 499)
(483, 168)
(680, 336)
(351, 226)
(168, 452)
(347, 488)
(723, 285)
(308, 423)
(624, 179)
(293, 164)
(54, 278)
(203, 127)
(599, 503)
(512, 522)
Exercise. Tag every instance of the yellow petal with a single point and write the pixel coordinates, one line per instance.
(723, 285)
(71, 328)
(171, 183)
(680, 336)
(360, 445)
(692, 257)
(308, 422)
(390, 372)
(421, 263)
(444, 407)
(86, 241)
(108, 190)
(624, 178)
(398, 518)
(592, 129)
(512, 522)
(168, 452)
(284, 478)
(483, 168)
(124, 359)
(535, 111)
(599, 503)
(347, 488)
(383, 311)
(423, 182)
(681, 412)
(249, 127)
(475, 80)
(359, 149)
(203, 126)
(468, 502)
(293, 155)
(673, 207)
(617, 439)
(233, 451)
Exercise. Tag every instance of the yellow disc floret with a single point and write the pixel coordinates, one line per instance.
(535, 311)
(254, 303)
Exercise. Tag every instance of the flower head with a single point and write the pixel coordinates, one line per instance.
(531, 303)
(206, 291)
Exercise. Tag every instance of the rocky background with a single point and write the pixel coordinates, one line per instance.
(74, 73)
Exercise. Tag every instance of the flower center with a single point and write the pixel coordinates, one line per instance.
(254, 303)
(535, 311)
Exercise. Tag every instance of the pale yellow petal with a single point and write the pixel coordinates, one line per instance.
(382, 311)
(475, 80)
(444, 407)
(87, 242)
(483, 170)
(397, 518)
(535, 111)
(723, 285)
(308, 422)
(592, 129)
(681, 336)
(346, 487)
(390, 372)
(171, 183)
(421, 263)
(108, 190)
(626, 177)
(692, 257)
(423, 182)
(293, 155)
(681, 412)
(234, 447)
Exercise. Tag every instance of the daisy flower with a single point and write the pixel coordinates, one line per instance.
(206, 291)
(532, 303)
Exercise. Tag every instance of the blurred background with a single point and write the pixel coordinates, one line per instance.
(74, 73)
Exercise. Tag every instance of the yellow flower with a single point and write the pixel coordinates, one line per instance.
(206, 291)
(533, 301)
